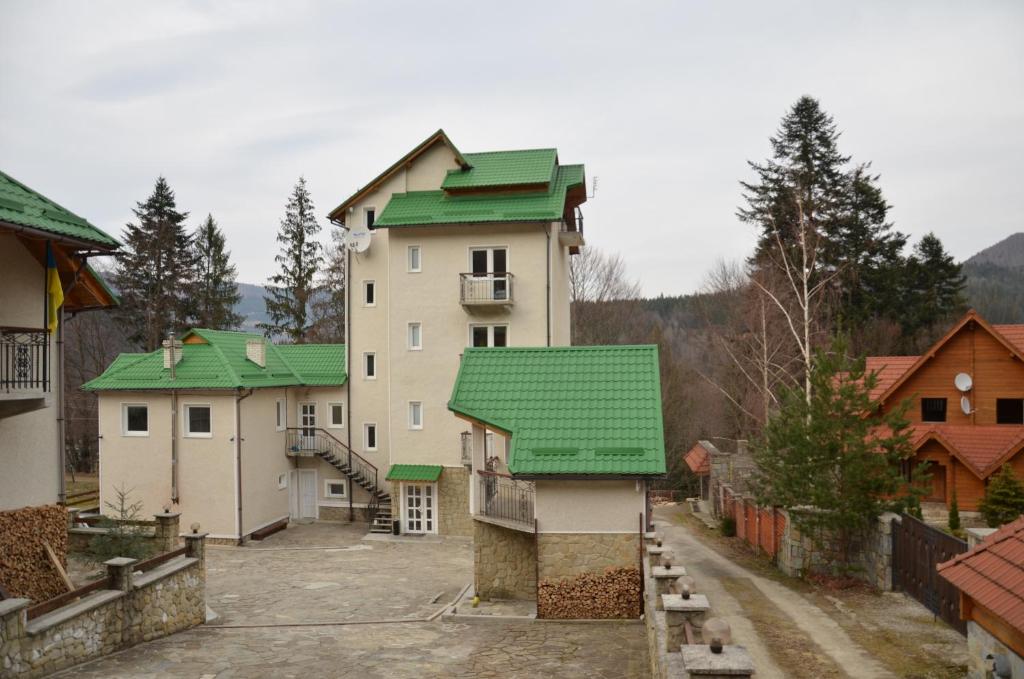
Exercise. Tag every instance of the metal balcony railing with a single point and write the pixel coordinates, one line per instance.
(485, 288)
(502, 497)
(24, 360)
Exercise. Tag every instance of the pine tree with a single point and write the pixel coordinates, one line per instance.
(154, 269)
(1004, 498)
(834, 455)
(328, 306)
(954, 513)
(213, 291)
(291, 289)
(933, 287)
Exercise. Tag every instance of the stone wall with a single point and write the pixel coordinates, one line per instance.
(981, 644)
(25, 568)
(565, 555)
(167, 599)
(504, 562)
(453, 502)
(341, 514)
(161, 534)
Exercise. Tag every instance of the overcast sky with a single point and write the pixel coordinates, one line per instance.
(665, 102)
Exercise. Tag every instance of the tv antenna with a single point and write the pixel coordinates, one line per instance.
(358, 239)
(593, 187)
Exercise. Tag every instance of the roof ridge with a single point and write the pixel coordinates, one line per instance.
(287, 364)
(484, 153)
(224, 360)
(987, 543)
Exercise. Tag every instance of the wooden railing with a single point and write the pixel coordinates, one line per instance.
(44, 607)
(24, 360)
(158, 560)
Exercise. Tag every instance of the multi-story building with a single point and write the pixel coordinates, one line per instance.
(448, 250)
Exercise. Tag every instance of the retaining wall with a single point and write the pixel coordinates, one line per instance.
(504, 562)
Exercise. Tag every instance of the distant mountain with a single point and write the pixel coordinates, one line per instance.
(995, 281)
(251, 306)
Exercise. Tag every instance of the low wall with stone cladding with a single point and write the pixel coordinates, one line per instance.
(504, 562)
(564, 555)
(25, 568)
(342, 514)
(453, 517)
(167, 599)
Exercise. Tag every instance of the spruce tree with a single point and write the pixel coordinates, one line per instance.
(954, 513)
(214, 292)
(154, 269)
(291, 289)
(1004, 498)
(933, 287)
(328, 306)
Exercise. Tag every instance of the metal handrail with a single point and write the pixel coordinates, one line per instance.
(506, 498)
(357, 464)
(24, 359)
(486, 287)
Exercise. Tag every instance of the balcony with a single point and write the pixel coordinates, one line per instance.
(505, 501)
(24, 370)
(570, 233)
(486, 289)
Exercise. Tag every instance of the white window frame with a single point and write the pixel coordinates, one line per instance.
(331, 424)
(282, 481)
(490, 333)
(331, 496)
(280, 414)
(366, 436)
(434, 505)
(366, 286)
(124, 419)
(366, 211)
(366, 365)
(419, 259)
(490, 256)
(412, 423)
(408, 335)
(188, 433)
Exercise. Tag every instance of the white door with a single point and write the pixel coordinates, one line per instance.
(491, 264)
(302, 494)
(419, 508)
(307, 425)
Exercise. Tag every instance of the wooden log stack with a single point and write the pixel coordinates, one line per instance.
(615, 593)
(26, 569)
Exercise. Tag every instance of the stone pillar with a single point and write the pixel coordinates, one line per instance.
(663, 577)
(650, 537)
(167, 531)
(73, 513)
(679, 611)
(655, 552)
(195, 546)
(701, 663)
(119, 570)
(13, 618)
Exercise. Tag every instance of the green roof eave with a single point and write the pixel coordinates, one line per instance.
(414, 472)
(23, 207)
(504, 168)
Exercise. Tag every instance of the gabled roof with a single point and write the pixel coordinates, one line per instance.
(569, 410)
(698, 460)
(983, 448)
(1013, 340)
(504, 169)
(21, 206)
(417, 208)
(216, 359)
(338, 213)
(992, 573)
(889, 369)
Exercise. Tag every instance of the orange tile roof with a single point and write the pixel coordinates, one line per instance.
(1014, 334)
(982, 447)
(697, 460)
(889, 369)
(992, 573)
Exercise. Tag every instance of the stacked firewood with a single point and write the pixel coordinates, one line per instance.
(26, 570)
(612, 594)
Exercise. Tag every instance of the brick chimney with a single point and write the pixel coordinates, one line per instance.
(168, 345)
(256, 351)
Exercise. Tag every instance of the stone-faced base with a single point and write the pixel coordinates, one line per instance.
(453, 516)
(342, 514)
(504, 562)
(564, 555)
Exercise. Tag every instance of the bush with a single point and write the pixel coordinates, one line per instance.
(1004, 498)
(954, 514)
(124, 537)
(728, 526)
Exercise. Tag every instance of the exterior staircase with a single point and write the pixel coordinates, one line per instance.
(310, 441)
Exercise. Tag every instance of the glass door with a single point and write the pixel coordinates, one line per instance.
(419, 508)
(307, 425)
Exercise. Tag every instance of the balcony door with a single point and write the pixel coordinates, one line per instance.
(419, 514)
(492, 265)
(307, 425)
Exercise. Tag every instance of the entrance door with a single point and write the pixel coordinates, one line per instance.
(492, 263)
(307, 424)
(302, 494)
(419, 508)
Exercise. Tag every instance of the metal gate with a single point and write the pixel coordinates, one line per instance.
(916, 549)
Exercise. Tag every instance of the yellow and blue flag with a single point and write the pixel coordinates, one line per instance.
(54, 291)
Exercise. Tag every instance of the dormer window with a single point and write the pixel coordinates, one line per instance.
(371, 214)
(1010, 411)
(933, 410)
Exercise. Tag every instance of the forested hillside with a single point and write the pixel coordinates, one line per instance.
(995, 281)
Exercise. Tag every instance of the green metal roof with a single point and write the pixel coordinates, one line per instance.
(21, 205)
(417, 208)
(221, 363)
(414, 472)
(504, 168)
(569, 410)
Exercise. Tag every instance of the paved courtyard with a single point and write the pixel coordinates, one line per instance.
(318, 600)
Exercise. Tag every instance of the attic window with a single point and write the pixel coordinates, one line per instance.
(1009, 411)
(933, 410)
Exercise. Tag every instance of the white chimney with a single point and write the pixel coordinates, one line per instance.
(171, 346)
(256, 351)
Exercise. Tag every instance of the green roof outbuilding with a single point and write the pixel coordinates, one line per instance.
(570, 411)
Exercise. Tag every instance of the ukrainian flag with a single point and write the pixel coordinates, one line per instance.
(54, 291)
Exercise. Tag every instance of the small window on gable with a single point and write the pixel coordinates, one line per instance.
(198, 421)
(370, 293)
(370, 365)
(335, 488)
(336, 411)
(414, 259)
(933, 410)
(415, 336)
(371, 215)
(280, 414)
(135, 419)
(1010, 411)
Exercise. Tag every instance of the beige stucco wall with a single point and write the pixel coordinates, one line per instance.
(589, 506)
(28, 441)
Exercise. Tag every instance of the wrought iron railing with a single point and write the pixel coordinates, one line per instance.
(24, 360)
(502, 497)
(316, 441)
(485, 288)
(574, 223)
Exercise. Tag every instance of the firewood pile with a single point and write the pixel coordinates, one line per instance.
(612, 594)
(25, 568)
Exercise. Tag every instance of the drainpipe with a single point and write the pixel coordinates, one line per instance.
(174, 429)
(62, 492)
(238, 460)
(547, 299)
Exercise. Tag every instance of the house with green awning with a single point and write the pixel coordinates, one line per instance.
(583, 436)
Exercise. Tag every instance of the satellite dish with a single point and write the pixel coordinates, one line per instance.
(963, 382)
(965, 405)
(358, 240)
